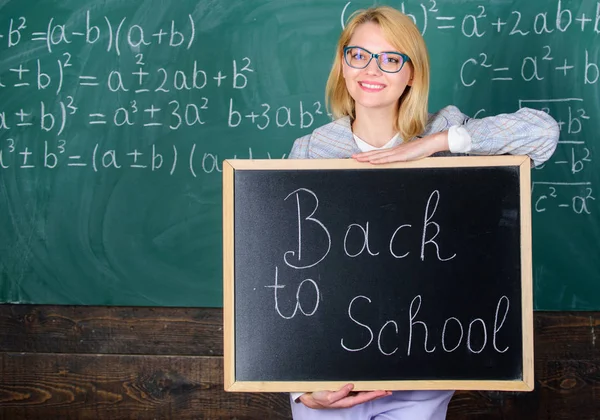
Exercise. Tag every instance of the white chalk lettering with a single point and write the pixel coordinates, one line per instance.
(365, 242)
(435, 195)
(301, 219)
(298, 305)
(358, 323)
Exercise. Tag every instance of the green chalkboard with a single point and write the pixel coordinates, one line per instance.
(115, 118)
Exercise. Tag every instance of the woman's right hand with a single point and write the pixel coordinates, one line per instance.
(342, 398)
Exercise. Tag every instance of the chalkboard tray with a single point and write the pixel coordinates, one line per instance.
(400, 277)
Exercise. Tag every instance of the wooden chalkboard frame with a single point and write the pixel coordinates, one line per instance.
(526, 383)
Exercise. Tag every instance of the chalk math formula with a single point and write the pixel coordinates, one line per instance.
(125, 88)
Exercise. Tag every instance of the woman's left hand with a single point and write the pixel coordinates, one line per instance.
(412, 150)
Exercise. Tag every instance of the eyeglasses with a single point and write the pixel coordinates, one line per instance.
(389, 62)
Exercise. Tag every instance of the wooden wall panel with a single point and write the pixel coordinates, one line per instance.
(111, 330)
(63, 362)
(85, 386)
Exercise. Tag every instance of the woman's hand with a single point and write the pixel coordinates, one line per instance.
(413, 150)
(342, 398)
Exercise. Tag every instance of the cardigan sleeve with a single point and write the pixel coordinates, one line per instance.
(525, 132)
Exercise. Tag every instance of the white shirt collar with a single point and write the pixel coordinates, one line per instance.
(366, 147)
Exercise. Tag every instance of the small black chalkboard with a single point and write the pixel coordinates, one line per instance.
(406, 276)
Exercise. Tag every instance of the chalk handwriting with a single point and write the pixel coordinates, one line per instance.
(429, 213)
(479, 330)
(300, 264)
(220, 93)
(276, 287)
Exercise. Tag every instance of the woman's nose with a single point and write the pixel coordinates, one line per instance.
(372, 67)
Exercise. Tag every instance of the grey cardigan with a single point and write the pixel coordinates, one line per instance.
(525, 132)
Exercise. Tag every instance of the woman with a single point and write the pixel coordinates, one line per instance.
(378, 90)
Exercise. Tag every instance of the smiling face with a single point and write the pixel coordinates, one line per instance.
(371, 88)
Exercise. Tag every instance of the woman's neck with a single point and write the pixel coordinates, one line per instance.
(374, 126)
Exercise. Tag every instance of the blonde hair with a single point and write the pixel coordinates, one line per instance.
(402, 33)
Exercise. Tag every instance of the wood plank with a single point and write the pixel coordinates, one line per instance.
(53, 386)
(42, 386)
(567, 335)
(111, 330)
(87, 362)
(564, 390)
